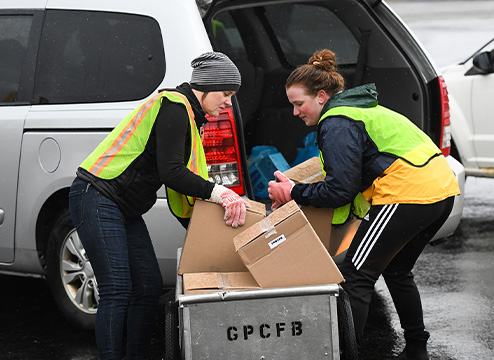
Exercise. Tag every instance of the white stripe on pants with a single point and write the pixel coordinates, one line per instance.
(373, 234)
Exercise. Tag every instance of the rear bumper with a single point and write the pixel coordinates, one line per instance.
(454, 218)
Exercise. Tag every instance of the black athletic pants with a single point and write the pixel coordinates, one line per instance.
(389, 243)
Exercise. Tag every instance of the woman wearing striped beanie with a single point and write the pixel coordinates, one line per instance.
(214, 71)
(156, 144)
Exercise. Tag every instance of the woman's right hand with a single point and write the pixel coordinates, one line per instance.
(234, 205)
(280, 190)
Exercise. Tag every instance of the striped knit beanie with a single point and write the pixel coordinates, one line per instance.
(214, 71)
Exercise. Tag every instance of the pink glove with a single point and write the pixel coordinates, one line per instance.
(235, 206)
(280, 192)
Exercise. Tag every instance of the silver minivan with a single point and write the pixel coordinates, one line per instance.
(71, 70)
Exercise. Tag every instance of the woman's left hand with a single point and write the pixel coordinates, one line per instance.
(280, 191)
(234, 205)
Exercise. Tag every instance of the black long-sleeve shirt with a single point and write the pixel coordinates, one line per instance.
(173, 143)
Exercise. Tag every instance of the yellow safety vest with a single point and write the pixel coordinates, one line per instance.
(182, 205)
(128, 140)
(393, 134)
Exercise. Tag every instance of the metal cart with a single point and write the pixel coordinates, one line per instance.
(279, 323)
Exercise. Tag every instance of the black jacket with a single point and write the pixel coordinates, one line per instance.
(351, 159)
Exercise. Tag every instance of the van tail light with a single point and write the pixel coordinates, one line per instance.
(220, 142)
(445, 118)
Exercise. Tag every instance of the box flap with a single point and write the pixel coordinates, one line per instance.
(256, 208)
(309, 171)
(321, 221)
(266, 225)
(342, 236)
(209, 241)
(217, 281)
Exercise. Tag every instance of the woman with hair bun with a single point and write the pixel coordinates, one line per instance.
(379, 167)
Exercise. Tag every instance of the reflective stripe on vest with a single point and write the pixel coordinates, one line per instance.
(182, 205)
(125, 143)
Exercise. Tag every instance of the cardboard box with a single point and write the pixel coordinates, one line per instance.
(321, 221)
(208, 245)
(335, 239)
(209, 261)
(309, 171)
(283, 250)
(196, 283)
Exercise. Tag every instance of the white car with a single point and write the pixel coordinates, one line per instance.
(471, 90)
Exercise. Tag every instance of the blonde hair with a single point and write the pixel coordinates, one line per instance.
(320, 73)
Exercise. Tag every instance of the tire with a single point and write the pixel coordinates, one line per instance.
(346, 328)
(70, 275)
(172, 349)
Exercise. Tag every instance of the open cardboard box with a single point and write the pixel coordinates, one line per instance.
(209, 261)
(283, 250)
(335, 239)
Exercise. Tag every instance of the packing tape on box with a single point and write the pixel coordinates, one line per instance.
(223, 282)
(268, 227)
(312, 177)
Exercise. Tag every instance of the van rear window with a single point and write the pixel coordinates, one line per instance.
(301, 29)
(88, 56)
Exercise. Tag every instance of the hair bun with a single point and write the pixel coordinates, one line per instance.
(320, 73)
(324, 60)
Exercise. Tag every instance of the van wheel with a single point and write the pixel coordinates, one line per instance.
(70, 274)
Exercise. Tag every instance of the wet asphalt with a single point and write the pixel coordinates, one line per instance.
(456, 280)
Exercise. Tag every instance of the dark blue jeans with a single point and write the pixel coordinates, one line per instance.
(126, 269)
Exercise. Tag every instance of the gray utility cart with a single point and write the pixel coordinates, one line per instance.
(269, 324)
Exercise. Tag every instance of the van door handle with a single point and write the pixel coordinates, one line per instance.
(1, 216)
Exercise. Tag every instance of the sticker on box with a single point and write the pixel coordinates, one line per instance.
(275, 242)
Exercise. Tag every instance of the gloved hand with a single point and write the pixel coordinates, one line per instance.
(235, 206)
(280, 192)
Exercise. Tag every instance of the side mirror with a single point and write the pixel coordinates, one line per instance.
(483, 63)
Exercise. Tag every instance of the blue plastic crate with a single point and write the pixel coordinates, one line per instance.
(262, 170)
